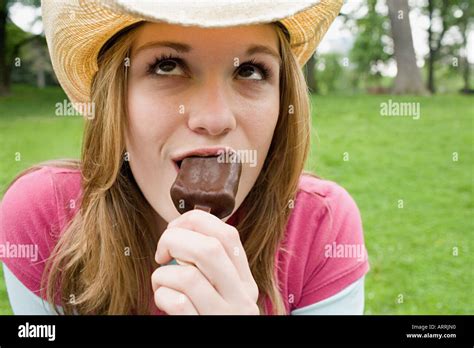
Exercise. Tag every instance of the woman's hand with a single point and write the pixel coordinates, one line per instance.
(217, 279)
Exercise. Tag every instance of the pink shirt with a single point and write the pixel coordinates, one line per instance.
(324, 234)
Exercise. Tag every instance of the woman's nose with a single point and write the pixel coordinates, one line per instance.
(211, 113)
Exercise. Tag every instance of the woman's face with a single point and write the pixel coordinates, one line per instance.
(208, 92)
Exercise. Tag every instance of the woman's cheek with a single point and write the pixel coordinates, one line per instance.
(150, 127)
(258, 124)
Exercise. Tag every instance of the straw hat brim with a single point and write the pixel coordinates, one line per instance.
(76, 30)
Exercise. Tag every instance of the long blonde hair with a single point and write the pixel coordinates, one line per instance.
(89, 270)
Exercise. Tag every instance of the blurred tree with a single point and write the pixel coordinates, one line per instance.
(35, 58)
(369, 51)
(452, 65)
(408, 79)
(4, 83)
(440, 14)
(465, 22)
(329, 71)
(310, 74)
(9, 45)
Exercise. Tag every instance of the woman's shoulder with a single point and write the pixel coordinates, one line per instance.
(322, 187)
(41, 197)
(325, 218)
(324, 196)
(39, 188)
(33, 212)
(321, 207)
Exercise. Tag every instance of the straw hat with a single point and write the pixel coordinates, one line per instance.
(77, 29)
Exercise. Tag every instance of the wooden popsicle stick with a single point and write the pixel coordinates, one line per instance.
(200, 207)
(184, 263)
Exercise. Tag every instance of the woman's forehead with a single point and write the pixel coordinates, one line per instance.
(192, 38)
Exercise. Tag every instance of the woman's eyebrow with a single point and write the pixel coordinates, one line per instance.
(177, 46)
(185, 48)
(264, 50)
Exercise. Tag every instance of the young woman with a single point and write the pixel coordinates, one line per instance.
(166, 83)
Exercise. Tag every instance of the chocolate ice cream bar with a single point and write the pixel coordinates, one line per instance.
(205, 183)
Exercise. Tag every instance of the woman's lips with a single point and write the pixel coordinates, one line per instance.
(203, 152)
(176, 166)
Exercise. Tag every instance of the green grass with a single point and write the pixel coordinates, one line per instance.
(31, 132)
(393, 158)
(390, 158)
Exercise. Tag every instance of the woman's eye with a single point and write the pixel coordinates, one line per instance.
(249, 72)
(168, 67)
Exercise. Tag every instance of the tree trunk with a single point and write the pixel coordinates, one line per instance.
(4, 71)
(431, 82)
(310, 69)
(465, 75)
(465, 62)
(40, 79)
(432, 53)
(435, 44)
(408, 79)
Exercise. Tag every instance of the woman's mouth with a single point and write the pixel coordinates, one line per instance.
(177, 165)
(202, 152)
